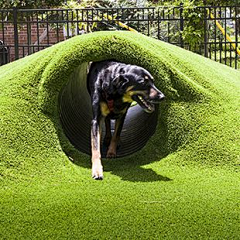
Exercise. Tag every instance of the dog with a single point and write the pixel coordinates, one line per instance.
(113, 86)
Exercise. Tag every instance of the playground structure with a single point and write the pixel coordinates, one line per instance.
(61, 88)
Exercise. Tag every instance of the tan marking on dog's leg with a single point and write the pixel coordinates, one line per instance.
(97, 169)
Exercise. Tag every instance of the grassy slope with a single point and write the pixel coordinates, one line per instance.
(192, 192)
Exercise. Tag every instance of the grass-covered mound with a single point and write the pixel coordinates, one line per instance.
(183, 184)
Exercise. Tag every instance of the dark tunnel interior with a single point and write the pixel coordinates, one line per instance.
(76, 114)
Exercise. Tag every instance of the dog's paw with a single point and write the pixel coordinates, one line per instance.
(111, 154)
(97, 172)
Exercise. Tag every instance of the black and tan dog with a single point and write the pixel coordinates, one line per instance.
(113, 86)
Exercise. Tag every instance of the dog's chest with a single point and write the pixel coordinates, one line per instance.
(113, 108)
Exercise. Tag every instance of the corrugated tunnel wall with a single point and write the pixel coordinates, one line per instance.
(76, 115)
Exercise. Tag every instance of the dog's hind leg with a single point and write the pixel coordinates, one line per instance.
(108, 135)
(97, 169)
(112, 150)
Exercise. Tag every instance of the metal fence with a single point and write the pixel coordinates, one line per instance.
(209, 31)
(4, 54)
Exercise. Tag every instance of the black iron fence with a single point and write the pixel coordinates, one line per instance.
(209, 31)
(4, 54)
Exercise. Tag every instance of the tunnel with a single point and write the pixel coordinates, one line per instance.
(76, 113)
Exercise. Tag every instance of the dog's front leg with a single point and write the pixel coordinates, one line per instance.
(97, 169)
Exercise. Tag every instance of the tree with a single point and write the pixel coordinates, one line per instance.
(195, 2)
(5, 4)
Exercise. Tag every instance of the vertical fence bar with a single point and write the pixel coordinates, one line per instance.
(205, 32)
(77, 23)
(220, 40)
(57, 25)
(138, 21)
(225, 35)
(158, 24)
(67, 12)
(168, 27)
(210, 50)
(47, 25)
(87, 20)
(181, 25)
(148, 23)
(236, 37)
(29, 33)
(73, 28)
(38, 40)
(15, 23)
(215, 34)
(231, 48)
(2, 26)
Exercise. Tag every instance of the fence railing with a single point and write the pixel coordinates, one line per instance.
(209, 31)
(4, 54)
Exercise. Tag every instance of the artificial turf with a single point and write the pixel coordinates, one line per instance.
(184, 184)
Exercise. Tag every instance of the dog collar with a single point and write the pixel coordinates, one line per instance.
(110, 104)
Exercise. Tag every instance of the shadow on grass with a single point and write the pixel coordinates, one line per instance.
(129, 168)
(132, 168)
(139, 174)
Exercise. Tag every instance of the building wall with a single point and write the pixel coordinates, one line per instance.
(39, 38)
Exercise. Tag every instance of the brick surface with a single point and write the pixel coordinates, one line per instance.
(36, 38)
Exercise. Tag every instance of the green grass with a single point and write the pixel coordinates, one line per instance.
(189, 203)
(184, 184)
(227, 58)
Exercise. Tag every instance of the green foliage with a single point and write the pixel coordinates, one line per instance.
(194, 2)
(5, 4)
(91, 21)
(99, 4)
(193, 31)
(193, 21)
(71, 13)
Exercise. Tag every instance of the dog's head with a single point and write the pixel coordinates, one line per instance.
(137, 84)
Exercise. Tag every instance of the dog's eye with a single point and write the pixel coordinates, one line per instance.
(143, 81)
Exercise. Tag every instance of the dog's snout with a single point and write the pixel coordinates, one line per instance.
(156, 94)
(153, 93)
(161, 96)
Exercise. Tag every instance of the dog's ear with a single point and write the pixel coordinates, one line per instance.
(120, 82)
(105, 80)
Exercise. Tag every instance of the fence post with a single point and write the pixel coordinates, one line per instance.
(236, 36)
(205, 32)
(15, 24)
(181, 25)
